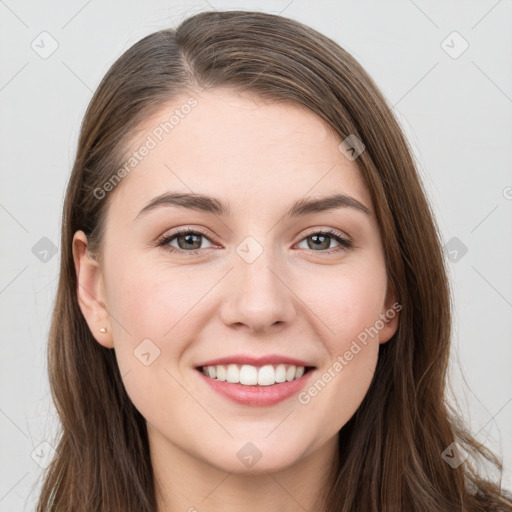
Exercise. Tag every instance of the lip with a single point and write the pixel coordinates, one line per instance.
(257, 396)
(255, 361)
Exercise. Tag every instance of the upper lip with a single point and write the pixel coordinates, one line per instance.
(255, 361)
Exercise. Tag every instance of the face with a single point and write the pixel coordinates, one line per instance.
(260, 291)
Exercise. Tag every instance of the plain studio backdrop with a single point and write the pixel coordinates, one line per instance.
(445, 69)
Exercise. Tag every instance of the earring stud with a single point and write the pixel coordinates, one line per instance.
(103, 329)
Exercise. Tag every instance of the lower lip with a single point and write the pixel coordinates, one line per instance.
(257, 396)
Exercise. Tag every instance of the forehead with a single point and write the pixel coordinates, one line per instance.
(240, 148)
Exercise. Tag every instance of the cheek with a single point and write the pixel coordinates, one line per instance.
(158, 310)
(349, 308)
(347, 303)
(153, 301)
(341, 384)
(152, 311)
(337, 392)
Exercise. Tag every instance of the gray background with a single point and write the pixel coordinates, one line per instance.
(455, 110)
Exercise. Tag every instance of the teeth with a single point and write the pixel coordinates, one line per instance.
(266, 375)
(249, 375)
(221, 372)
(233, 374)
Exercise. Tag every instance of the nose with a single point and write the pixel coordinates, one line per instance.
(258, 295)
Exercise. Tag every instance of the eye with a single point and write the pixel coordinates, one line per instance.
(321, 240)
(186, 239)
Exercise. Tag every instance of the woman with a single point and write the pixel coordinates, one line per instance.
(298, 360)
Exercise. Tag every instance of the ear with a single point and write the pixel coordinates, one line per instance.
(389, 316)
(91, 292)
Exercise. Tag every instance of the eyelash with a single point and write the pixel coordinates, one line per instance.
(345, 243)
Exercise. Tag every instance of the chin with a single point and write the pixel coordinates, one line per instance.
(256, 457)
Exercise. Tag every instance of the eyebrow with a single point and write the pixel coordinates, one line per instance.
(204, 203)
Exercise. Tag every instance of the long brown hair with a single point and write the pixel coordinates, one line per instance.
(390, 451)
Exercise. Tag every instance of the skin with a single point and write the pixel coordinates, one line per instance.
(294, 299)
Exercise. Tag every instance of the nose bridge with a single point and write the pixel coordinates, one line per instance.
(258, 296)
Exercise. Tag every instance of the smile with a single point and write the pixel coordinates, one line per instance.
(256, 385)
(249, 375)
